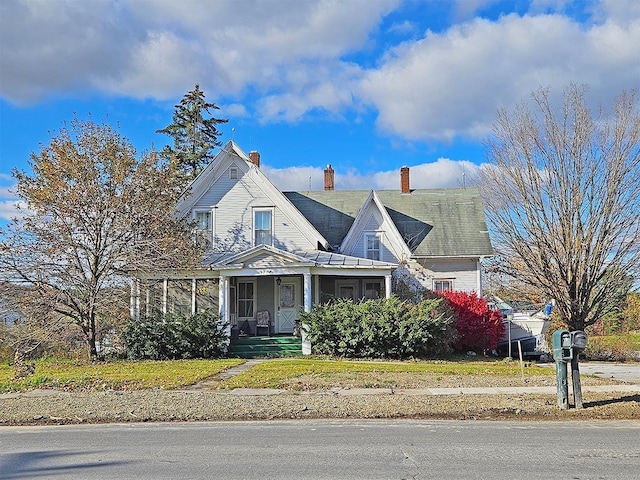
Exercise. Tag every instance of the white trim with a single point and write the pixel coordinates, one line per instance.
(253, 281)
(388, 230)
(218, 166)
(381, 290)
(355, 283)
(449, 279)
(254, 211)
(193, 296)
(367, 235)
(194, 215)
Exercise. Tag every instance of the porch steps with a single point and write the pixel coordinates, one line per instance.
(276, 346)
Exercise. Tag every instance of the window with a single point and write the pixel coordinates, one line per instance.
(204, 227)
(347, 289)
(233, 173)
(245, 291)
(443, 285)
(373, 289)
(262, 227)
(372, 247)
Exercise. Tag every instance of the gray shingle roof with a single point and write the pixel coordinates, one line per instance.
(439, 222)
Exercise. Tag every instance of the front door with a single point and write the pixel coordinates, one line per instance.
(289, 298)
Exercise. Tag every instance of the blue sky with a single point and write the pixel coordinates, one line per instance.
(367, 86)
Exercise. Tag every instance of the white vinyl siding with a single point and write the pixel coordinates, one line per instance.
(463, 272)
(234, 229)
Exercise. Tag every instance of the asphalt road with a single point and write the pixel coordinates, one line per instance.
(627, 372)
(325, 450)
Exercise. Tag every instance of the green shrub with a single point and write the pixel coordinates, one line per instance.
(172, 337)
(381, 328)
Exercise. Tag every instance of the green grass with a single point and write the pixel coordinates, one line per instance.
(292, 374)
(119, 375)
(307, 373)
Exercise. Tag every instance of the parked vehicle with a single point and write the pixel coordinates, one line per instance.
(525, 328)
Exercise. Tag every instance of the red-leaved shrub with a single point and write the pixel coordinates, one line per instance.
(478, 327)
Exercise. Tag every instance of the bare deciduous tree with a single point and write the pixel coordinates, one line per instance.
(95, 213)
(563, 200)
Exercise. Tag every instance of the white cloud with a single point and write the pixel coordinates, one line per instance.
(8, 200)
(300, 58)
(443, 173)
(158, 48)
(452, 83)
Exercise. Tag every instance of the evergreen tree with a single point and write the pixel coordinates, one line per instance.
(194, 136)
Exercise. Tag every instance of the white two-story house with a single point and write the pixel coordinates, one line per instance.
(273, 254)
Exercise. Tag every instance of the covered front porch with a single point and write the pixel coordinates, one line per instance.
(260, 292)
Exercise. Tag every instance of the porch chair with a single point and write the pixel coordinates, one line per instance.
(263, 321)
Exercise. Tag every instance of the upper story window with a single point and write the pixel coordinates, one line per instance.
(204, 226)
(233, 173)
(372, 246)
(263, 227)
(443, 285)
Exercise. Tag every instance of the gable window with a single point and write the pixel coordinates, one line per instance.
(443, 285)
(204, 227)
(233, 173)
(372, 246)
(262, 227)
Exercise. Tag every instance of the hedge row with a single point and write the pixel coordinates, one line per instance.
(172, 337)
(386, 328)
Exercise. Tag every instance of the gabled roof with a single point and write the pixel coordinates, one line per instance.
(199, 186)
(433, 223)
(231, 152)
(261, 256)
(267, 257)
(372, 202)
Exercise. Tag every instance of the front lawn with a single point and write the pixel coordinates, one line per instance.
(118, 375)
(311, 374)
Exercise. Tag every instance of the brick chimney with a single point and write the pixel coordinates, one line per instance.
(255, 158)
(328, 178)
(404, 180)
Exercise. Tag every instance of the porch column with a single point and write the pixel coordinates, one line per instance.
(137, 286)
(223, 302)
(193, 296)
(387, 286)
(307, 292)
(479, 278)
(132, 300)
(306, 344)
(316, 288)
(165, 295)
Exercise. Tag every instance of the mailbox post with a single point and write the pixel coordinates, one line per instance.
(578, 343)
(566, 347)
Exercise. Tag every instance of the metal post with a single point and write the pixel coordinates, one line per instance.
(509, 319)
(563, 387)
(575, 379)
